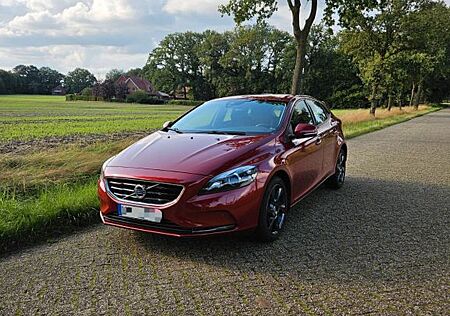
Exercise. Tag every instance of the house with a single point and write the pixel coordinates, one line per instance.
(135, 83)
(59, 90)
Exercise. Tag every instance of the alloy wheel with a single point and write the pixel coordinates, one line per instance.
(276, 209)
(340, 168)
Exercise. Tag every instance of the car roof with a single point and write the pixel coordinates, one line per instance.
(285, 98)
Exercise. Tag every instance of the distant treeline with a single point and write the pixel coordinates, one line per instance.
(28, 79)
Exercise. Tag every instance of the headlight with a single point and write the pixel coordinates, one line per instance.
(232, 179)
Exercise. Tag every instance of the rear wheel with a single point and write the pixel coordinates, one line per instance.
(272, 214)
(338, 178)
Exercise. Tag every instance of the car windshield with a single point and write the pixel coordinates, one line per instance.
(233, 116)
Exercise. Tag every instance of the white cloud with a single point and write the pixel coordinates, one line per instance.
(205, 7)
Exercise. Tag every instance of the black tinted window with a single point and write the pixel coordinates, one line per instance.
(320, 114)
(301, 114)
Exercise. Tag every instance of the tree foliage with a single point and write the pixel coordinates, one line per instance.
(79, 79)
(245, 10)
(389, 44)
(114, 74)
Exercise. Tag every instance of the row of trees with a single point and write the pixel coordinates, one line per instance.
(387, 52)
(28, 79)
(253, 59)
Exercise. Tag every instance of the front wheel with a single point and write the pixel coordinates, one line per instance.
(338, 178)
(272, 214)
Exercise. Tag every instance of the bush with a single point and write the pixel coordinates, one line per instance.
(74, 97)
(143, 98)
(186, 102)
(137, 97)
(349, 99)
(86, 92)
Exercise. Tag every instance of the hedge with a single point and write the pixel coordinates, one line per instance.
(186, 102)
(74, 97)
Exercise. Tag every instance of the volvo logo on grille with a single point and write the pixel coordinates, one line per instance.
(140, 192)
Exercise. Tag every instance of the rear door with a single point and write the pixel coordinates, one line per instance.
(303, 156)
(327, 133)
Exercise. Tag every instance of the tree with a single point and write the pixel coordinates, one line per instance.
(79, 79)
(174, 64)
(244, 10)
(28, 79)
(114, 74)
(330, 74)
(428, 42)
(49, 79)
(372, 34)
(210, 51)
(9, 82)
(134, 72)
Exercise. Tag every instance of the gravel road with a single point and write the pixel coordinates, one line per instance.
(379, 245)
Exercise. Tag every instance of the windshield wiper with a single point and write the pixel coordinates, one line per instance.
(174, 129)
(224, 132)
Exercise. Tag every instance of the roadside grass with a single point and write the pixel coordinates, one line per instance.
(358, 122)
(47, 192)
(58, 210)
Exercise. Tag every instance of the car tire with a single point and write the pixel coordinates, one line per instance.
(337, 180)
(272, 213)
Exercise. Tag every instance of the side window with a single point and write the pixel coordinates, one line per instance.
(320, 114)
(301, 114)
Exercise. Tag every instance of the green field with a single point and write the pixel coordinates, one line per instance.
(30, 117)
(51, 152)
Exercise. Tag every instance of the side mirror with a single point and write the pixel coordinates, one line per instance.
(303, 130)
(167, 124)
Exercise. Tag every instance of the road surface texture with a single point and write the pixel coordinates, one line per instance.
(379, 245)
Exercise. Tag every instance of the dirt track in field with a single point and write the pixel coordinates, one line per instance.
(21, 147)
(379, 245)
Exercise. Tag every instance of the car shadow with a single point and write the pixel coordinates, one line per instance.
(371, 229)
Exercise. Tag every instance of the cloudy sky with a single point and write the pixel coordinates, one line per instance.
(102, 34)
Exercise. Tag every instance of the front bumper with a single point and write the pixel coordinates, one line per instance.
(163, 228)
(192, 214)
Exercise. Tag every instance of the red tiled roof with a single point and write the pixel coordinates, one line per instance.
(141, 83)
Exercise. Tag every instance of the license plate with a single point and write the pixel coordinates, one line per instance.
(144, 213)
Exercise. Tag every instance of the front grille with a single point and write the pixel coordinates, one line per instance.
(155, 193)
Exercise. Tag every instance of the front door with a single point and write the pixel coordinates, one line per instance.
(303, 156)
(327, 132)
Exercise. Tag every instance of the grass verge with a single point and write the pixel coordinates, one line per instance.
(53, 211)
(354, 127)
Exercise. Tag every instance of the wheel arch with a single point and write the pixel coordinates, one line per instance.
(283, 175)
(344, 148)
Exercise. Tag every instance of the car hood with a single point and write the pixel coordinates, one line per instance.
(201, 154)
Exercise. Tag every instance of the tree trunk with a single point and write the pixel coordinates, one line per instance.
(412, 94)
(417, 96)
(389, 102)
(298, 70)
(373, 101)
(400, 101)
(301, 37)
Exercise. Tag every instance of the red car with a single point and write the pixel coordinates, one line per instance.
(231, 164)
